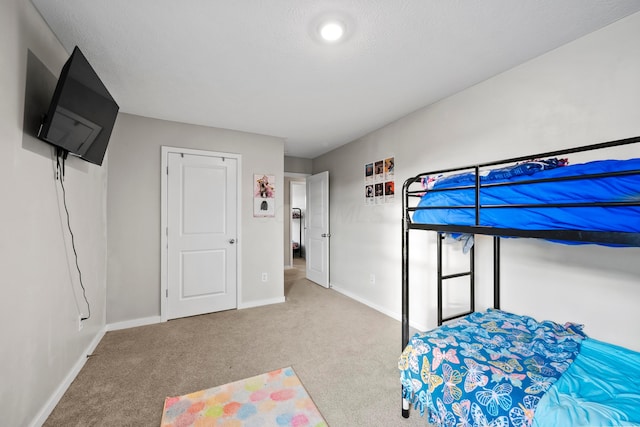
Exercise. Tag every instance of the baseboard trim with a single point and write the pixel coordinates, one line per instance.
(48, 408)
(260, 303)
(143, 321)
(392, 314)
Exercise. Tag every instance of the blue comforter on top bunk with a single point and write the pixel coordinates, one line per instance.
(587, 190)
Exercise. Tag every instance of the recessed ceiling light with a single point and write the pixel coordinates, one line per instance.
(331, 31)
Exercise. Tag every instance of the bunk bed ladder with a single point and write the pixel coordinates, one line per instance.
(442, 278)
(496, 272)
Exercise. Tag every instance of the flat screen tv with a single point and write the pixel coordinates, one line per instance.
(82, 112)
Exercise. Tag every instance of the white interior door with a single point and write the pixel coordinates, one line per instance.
(317, 233)
(201, 234)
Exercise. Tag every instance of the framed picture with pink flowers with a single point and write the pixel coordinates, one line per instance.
(264, 195)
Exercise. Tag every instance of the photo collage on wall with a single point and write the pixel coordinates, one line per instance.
(379, 183)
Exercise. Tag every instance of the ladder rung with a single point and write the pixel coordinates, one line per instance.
(453, 276)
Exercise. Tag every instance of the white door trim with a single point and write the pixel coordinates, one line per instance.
(288, 220)
(164, 182)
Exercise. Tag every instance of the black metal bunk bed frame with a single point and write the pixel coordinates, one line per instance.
(297, 214)
(408, 192)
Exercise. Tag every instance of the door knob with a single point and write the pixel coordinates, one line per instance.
(232, 241)
(325, 235)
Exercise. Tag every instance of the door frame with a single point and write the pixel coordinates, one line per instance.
(288, 219)
(164, 209)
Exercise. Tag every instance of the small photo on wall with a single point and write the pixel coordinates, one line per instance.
(389, 191)
(379, 192)
(379, 169)
(389, 168)
(368, 195)
(263, 207)
(368, 172)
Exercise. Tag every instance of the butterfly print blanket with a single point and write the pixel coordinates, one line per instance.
(487, 369)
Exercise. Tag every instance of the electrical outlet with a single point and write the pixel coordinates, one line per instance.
(265, 277)
(80, 323)
(372, 278)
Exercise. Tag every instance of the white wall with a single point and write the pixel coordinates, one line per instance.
(297, 165)
(584, 92)
(133, 290)
(41, 297)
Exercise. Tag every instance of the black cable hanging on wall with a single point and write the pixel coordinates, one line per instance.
(61, 157)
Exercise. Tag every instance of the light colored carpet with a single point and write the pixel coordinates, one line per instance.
(344, 353)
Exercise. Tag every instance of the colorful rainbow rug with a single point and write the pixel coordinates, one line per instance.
(276, 399)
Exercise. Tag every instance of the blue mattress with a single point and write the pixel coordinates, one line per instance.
(601, 388)
(610, 189)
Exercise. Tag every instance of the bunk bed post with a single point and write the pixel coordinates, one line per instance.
(477, 194)
(472, 278)
(439, 238)
(496, 272)
(405, 288)
(405, 265)
(405, 281)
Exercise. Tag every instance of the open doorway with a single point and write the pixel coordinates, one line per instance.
(294, 229)
(298, 201)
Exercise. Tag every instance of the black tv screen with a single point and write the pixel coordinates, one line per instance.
(82, 112)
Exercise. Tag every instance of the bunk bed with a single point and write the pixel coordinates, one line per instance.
(296, 214)
(497, 368)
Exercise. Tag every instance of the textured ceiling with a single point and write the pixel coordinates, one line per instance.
(258, 66)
